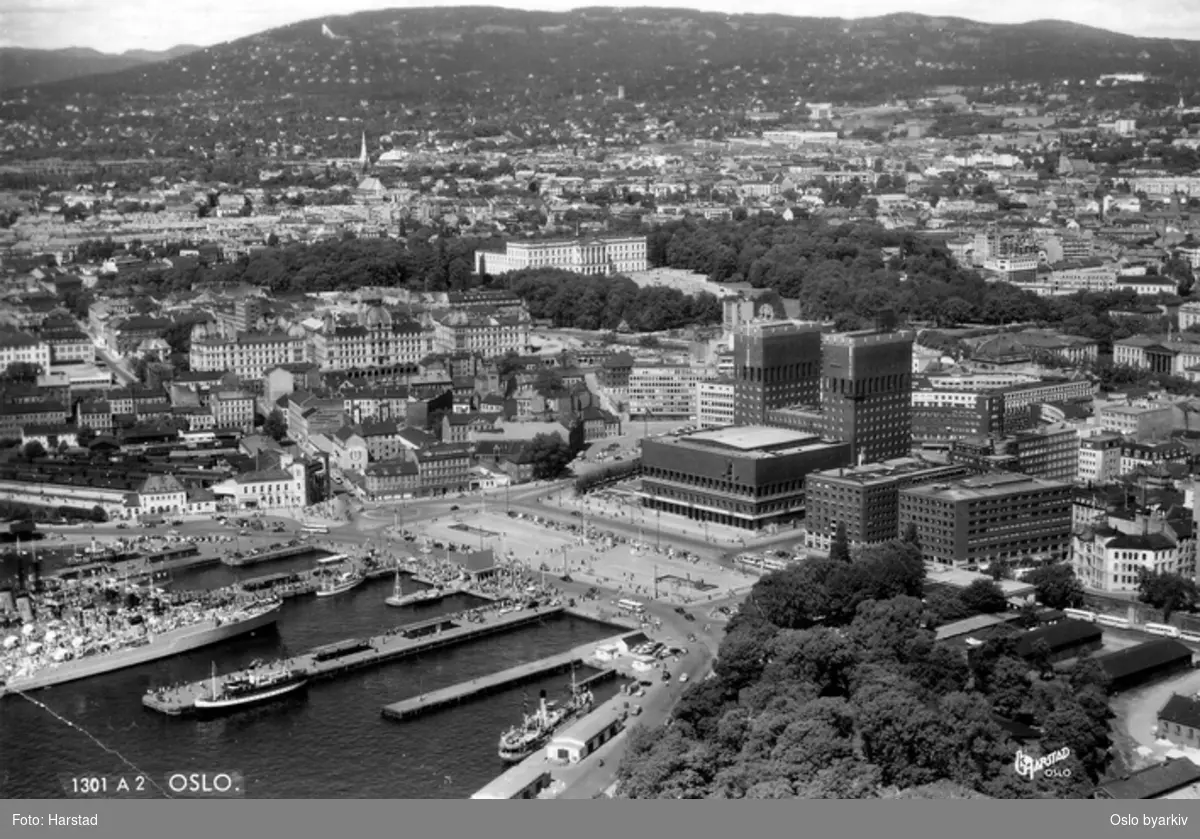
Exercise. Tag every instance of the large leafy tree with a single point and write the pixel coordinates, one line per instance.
(1056, 586)
(1169, 592)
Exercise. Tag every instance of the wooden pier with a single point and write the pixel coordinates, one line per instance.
(299, 583)
(476, 688)
(355, 654)
(272, 555)
(137, 567)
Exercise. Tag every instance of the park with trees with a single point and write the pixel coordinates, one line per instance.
(829, 683)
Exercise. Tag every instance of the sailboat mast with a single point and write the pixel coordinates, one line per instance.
(214, 680)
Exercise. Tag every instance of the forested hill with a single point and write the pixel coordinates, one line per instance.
(548, 77)
(446, 53)
(28, 67)
(830, 684)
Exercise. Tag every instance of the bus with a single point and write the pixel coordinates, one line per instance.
(315, 528)
(631, 606)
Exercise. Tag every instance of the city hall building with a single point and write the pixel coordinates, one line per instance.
(745, 476)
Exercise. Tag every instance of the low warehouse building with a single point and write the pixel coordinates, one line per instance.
(589, 734)
(523, 781)
(1066, 639)
(1135, 666)
(1175, 779)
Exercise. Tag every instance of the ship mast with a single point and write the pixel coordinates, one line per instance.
(214, 680)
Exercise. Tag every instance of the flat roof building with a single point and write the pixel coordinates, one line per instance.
(865, 499)
(998, 516)
(744, 476)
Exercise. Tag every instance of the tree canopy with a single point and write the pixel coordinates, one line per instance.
(829, 685)
(593, 302)
(550, 456)
(1169, 592)
(1056, 586)
(851, 272)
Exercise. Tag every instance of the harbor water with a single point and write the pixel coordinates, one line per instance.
(327, 742)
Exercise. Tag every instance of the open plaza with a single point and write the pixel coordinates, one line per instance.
(629, 567)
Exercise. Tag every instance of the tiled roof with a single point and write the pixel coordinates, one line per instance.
(1182, 710)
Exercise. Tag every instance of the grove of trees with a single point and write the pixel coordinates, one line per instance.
(591, 302)
(851, 272)
(829, 685)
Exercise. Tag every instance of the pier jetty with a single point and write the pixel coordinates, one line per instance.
(334, 660)
(291, 584)
(139, 565)
(476, 688)
(270, 555)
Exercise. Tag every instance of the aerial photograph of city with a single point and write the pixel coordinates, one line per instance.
(701, 401)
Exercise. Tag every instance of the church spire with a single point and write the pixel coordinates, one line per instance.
(363, 160)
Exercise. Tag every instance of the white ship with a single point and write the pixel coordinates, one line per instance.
(252, 688)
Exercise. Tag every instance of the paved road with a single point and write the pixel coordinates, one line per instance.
(598, 772)
(116, 364)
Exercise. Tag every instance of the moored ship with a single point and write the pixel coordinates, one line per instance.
(253, 687)
(340, 584)
(536, 729)
(57, 658)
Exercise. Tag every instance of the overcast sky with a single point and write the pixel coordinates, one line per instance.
(118, 25)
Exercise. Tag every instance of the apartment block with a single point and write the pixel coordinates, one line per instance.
(1110, 557)
(248, 355)
(1099, 459)
(1135, 455)
(377, 340)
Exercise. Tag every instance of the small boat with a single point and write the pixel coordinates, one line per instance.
(341, 584)
(251, 688)
(331, 560)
